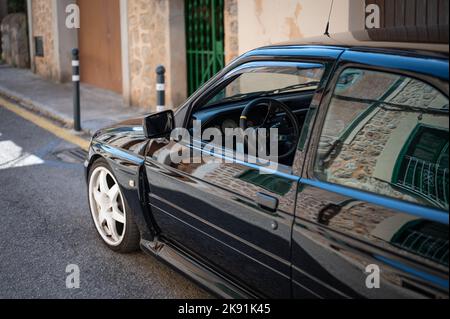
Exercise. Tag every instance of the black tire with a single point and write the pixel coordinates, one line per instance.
(131, 238)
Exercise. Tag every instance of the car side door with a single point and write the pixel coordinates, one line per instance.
(372, 205)
(208, 209)
(235, 217)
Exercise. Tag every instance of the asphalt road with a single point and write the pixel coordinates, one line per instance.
(45, 226)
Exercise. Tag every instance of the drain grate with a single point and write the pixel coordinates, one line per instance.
(76, 155)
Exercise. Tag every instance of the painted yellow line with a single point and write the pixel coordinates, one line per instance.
(45, 124)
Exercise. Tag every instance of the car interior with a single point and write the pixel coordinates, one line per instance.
(228, 116)
(284, 108)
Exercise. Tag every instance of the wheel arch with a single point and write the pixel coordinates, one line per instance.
(128, 169)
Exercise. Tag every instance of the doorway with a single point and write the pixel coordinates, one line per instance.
(99, 39)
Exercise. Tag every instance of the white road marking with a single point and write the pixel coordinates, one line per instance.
(12, 155)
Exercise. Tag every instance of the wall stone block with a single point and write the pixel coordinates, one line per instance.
(15, 40)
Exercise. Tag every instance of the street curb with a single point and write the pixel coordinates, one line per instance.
(39, 109)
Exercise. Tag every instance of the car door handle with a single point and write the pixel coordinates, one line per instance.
(266, 201)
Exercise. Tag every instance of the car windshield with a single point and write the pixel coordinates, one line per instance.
(268, 82)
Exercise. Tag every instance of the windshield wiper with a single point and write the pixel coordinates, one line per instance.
(243, 96)
(294, 87)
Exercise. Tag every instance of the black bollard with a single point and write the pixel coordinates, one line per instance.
(76, 91)
(160, 88)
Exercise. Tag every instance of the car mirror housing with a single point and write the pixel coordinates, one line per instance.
(159, 125)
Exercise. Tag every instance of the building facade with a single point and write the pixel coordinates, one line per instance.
(122, 42)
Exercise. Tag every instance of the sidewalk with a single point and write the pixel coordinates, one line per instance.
(99, 108)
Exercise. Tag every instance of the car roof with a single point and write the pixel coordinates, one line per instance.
(361, 40)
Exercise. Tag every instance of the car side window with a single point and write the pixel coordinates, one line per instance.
(387, 134)
(259, 98)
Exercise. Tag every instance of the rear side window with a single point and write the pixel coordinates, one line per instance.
(387, 134)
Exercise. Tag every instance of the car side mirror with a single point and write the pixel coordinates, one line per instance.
(159, 125)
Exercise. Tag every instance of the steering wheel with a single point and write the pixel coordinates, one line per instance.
(288, 137)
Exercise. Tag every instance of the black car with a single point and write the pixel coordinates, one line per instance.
(356, 205)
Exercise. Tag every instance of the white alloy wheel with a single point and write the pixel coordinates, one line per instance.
(107, 206)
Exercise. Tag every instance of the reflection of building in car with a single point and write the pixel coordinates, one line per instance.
(424, 238)
(389, 135)
(422, 169)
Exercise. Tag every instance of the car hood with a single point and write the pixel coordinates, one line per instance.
(123, 133)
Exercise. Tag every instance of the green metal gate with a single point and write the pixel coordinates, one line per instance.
(205, 40)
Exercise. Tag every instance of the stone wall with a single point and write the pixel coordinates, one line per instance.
(356, 162)
(43, 26)
(147, 47)
(14, 40)
(156, 36)
(231, 30)
(3, 13)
